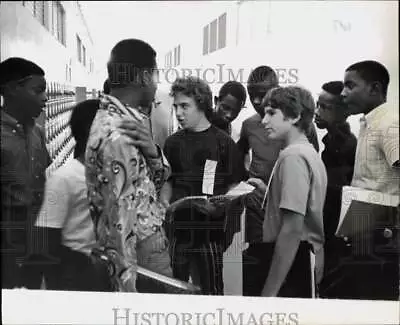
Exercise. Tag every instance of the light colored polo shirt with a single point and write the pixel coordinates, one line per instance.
(298, 183)
(66, 207)
(377, 151)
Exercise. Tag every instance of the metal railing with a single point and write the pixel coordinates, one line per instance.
(59, 142)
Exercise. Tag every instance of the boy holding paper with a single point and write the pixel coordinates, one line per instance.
(204, 161)
(376, 169)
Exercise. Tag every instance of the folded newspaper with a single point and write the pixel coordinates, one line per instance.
(362, 210)
(241, 189)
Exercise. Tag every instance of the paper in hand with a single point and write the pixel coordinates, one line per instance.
(241, 189)
(362, 209)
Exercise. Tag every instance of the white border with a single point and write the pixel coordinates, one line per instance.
(21, 306)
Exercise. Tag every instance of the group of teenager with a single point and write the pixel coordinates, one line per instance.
(105, 212)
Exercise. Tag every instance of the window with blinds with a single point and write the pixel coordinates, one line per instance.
(51, 15)
(205, 39)
(168, 60)
(54, 20)
(40, 10)
(175, 56)
(60, 17)
(30, 5)
(214, 35)
(84, 55)
(179, 55)
(79, 48)
(222, 31)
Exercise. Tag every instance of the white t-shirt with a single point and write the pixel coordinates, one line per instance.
(65, 206)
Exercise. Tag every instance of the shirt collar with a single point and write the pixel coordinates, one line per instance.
(136, 112)
(374, 115)
(7, 119)
(339, 133)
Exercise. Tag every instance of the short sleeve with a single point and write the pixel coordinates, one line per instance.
(168, 155)
(243, 143)
(313, 137)
(54, 210)
(236, 165)
(167, 149)
(390, 143)
(295, 182)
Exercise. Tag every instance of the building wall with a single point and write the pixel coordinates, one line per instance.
(307, 42)
(24, 33)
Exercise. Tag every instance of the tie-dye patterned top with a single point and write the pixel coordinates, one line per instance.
(123, 189)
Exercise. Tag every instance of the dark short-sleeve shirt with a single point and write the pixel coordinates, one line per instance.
(220, 124)
(338, 157)
(24, 159)
(187, 153)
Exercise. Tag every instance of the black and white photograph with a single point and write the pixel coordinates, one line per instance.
(200, 162)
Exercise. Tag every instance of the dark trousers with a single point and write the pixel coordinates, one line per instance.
(78, 272)
(256, 264)
(363, 277)
(204, 264)
(366, 280)
(15, 274)
(17, 249)
(368, 267)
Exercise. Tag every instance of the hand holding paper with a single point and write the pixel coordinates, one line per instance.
(257, 183)
(260, 187)
(209, 205)
(241, 189)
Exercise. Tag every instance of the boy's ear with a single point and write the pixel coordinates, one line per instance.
(375, 88)
(145, 77)
(10, 89)
(295, 120)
